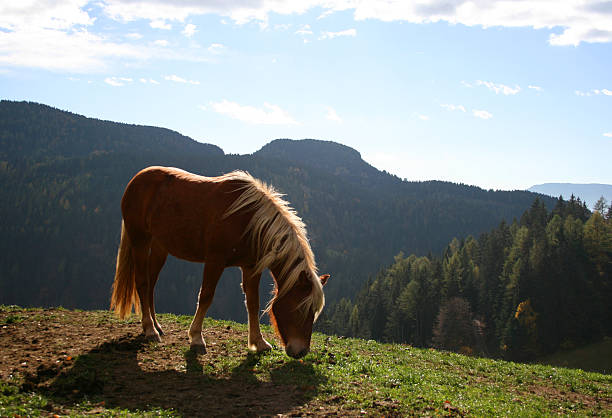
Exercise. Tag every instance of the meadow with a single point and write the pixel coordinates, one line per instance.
(56, 362)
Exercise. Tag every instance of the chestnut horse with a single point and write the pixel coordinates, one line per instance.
(231, 220)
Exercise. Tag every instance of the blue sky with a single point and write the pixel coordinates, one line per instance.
(501, 95)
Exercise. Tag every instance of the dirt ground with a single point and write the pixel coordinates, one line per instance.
(74, 356)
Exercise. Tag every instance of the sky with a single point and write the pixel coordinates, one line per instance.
(497, 94)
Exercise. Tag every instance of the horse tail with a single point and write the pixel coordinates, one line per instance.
(124, 287)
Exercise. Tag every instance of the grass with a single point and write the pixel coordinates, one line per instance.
(595, 357)
(340, 375)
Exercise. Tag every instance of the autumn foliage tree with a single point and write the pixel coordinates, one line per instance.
(454, 329)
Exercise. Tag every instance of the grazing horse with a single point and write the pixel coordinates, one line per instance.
(230, 220)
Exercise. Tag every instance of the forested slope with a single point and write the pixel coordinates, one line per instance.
(62, 176)
(519, 291)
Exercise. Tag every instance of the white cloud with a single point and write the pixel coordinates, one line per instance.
(482, 114)
(57, 50)
(423, 117)
(594, 92)
(332, 35)
(54, 35)
(332, 115)
(148, 81)
(454, 107)
(216, 48)
(499, 88)
(581, 33)
(133, 36)
(571, 21)
(325, 14)
(240, 12)
(282, 26)
(536, 88)
(161, 42)
(268, 115)
(47, 14)
(160, 24)
(61, 36)
(178, 79)
(608, 134)
(190, 30)
(117, 81)
(578, 21)
(304, 30)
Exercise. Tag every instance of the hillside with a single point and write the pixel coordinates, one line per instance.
(589, 193)
(62, 176)
(520, 291)
(61, 362)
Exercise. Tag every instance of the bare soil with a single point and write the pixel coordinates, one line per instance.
(72, 356)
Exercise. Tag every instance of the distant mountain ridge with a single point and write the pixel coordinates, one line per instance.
(588, 193)
(62, 176)
(48, 132)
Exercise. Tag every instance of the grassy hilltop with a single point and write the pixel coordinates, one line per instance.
(56, 362)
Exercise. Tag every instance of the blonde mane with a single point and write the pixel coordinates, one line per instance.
(277, 234)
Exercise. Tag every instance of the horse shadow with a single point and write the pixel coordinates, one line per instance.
(110, 375)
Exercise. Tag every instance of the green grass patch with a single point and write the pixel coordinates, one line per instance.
(595, 357)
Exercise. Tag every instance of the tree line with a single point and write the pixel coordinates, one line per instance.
(521, 290)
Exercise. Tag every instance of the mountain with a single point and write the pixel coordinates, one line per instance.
(35, 132)
(62, 176)
(588, 193)
(326, 156)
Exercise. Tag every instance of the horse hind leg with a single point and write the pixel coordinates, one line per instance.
(141, 260)
(212, 274)
(157, 259)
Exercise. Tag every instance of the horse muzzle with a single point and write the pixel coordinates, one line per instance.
(296, 351)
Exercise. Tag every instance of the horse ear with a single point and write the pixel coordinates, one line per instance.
(324, 279)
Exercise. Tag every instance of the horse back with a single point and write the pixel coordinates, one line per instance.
(183, 212)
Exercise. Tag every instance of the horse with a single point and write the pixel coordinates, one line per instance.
(230, 220)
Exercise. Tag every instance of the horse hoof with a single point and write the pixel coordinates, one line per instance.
(198, 349)
(260, 347)
(265, 347)
(155, 338)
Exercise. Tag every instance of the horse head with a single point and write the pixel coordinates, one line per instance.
(293, 312)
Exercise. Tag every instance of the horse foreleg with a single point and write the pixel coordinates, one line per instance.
(250, 287)
(212, 273)
(157, 258)
(141, 256)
